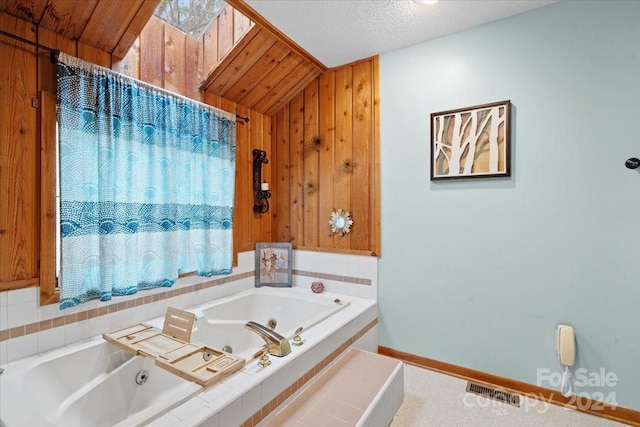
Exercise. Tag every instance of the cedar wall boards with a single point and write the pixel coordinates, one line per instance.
(163, 56)
(340, 106)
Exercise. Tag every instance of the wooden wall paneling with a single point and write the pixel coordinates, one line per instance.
(94, 55)
(135, 26)
(296, 168)
(268, 146)
(174, 57)
(343, 151)
(260, 69)
(48, 242)
(345, 115)
(256, 220)
(239, 235)
(67, 18)
(210, 48)
(216, 101)
(311, 159)
(152, 52)
(243, 209)
(213, 99)
(228, 106)
(225, 32)
(327, 130)
(295, 83)
(19, 155)
(362, 152)
(193, 68)
(241, 24)
(268, 81)
(281, 195)
(47, 69)
(374, 224)
(130, 64)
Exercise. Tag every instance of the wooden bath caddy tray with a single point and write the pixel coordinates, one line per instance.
(192, 361)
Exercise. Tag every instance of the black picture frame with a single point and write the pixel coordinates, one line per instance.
(274, 264)
(481, 131)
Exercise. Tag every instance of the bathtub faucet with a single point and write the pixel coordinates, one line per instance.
(277, 345)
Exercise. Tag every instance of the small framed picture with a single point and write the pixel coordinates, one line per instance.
(471, 142)
(274, 265)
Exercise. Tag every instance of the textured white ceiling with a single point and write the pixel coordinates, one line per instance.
(337, 32)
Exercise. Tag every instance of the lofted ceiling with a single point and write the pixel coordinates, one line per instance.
(291, 43)
(261, 73)
(340, 32)
(109, 25)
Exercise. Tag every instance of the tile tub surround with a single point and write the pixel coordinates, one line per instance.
(250, 395)
(253, 392)
(50, 328)
(354, 275)
(26, 328)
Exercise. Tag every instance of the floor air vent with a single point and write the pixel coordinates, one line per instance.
(493, 393)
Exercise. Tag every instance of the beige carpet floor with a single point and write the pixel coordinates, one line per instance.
(438, 400)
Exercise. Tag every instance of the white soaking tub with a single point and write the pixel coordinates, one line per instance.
(88, 384)
(221, 324)
(93, 383)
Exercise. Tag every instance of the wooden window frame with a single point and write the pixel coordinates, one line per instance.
(49, 293)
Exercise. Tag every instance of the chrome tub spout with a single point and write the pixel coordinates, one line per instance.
(277, 345)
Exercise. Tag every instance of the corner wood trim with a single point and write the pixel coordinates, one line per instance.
(248, 11)
(599, 409)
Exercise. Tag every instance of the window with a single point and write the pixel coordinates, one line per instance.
(191, 16)
(146, 185)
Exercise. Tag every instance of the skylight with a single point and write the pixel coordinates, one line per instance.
(191, 16)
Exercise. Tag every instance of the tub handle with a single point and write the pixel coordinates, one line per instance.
(259, 352)
(263, 354)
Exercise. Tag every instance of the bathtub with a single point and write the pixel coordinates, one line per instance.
(94, 383)
(221, 324)
(88, 384)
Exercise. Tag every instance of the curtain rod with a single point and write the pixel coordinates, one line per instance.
(53, 56)
(53, 53)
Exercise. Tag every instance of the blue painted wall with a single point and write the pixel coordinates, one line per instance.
(479, 273)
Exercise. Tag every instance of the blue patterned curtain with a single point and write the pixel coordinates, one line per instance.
(146, 184)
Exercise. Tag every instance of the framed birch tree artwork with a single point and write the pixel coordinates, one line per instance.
(471, 142)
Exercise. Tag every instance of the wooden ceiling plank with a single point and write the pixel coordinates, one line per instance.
(249, 12)
(109, 21)
(277, 95)
(298, 87)
(139, 21)
(68, 17)
(213, 74)
(269, 81)
(243, 64)
(263, 67)
(30, 11)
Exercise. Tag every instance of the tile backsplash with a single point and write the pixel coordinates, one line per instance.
(26, 328)
(354, 275)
